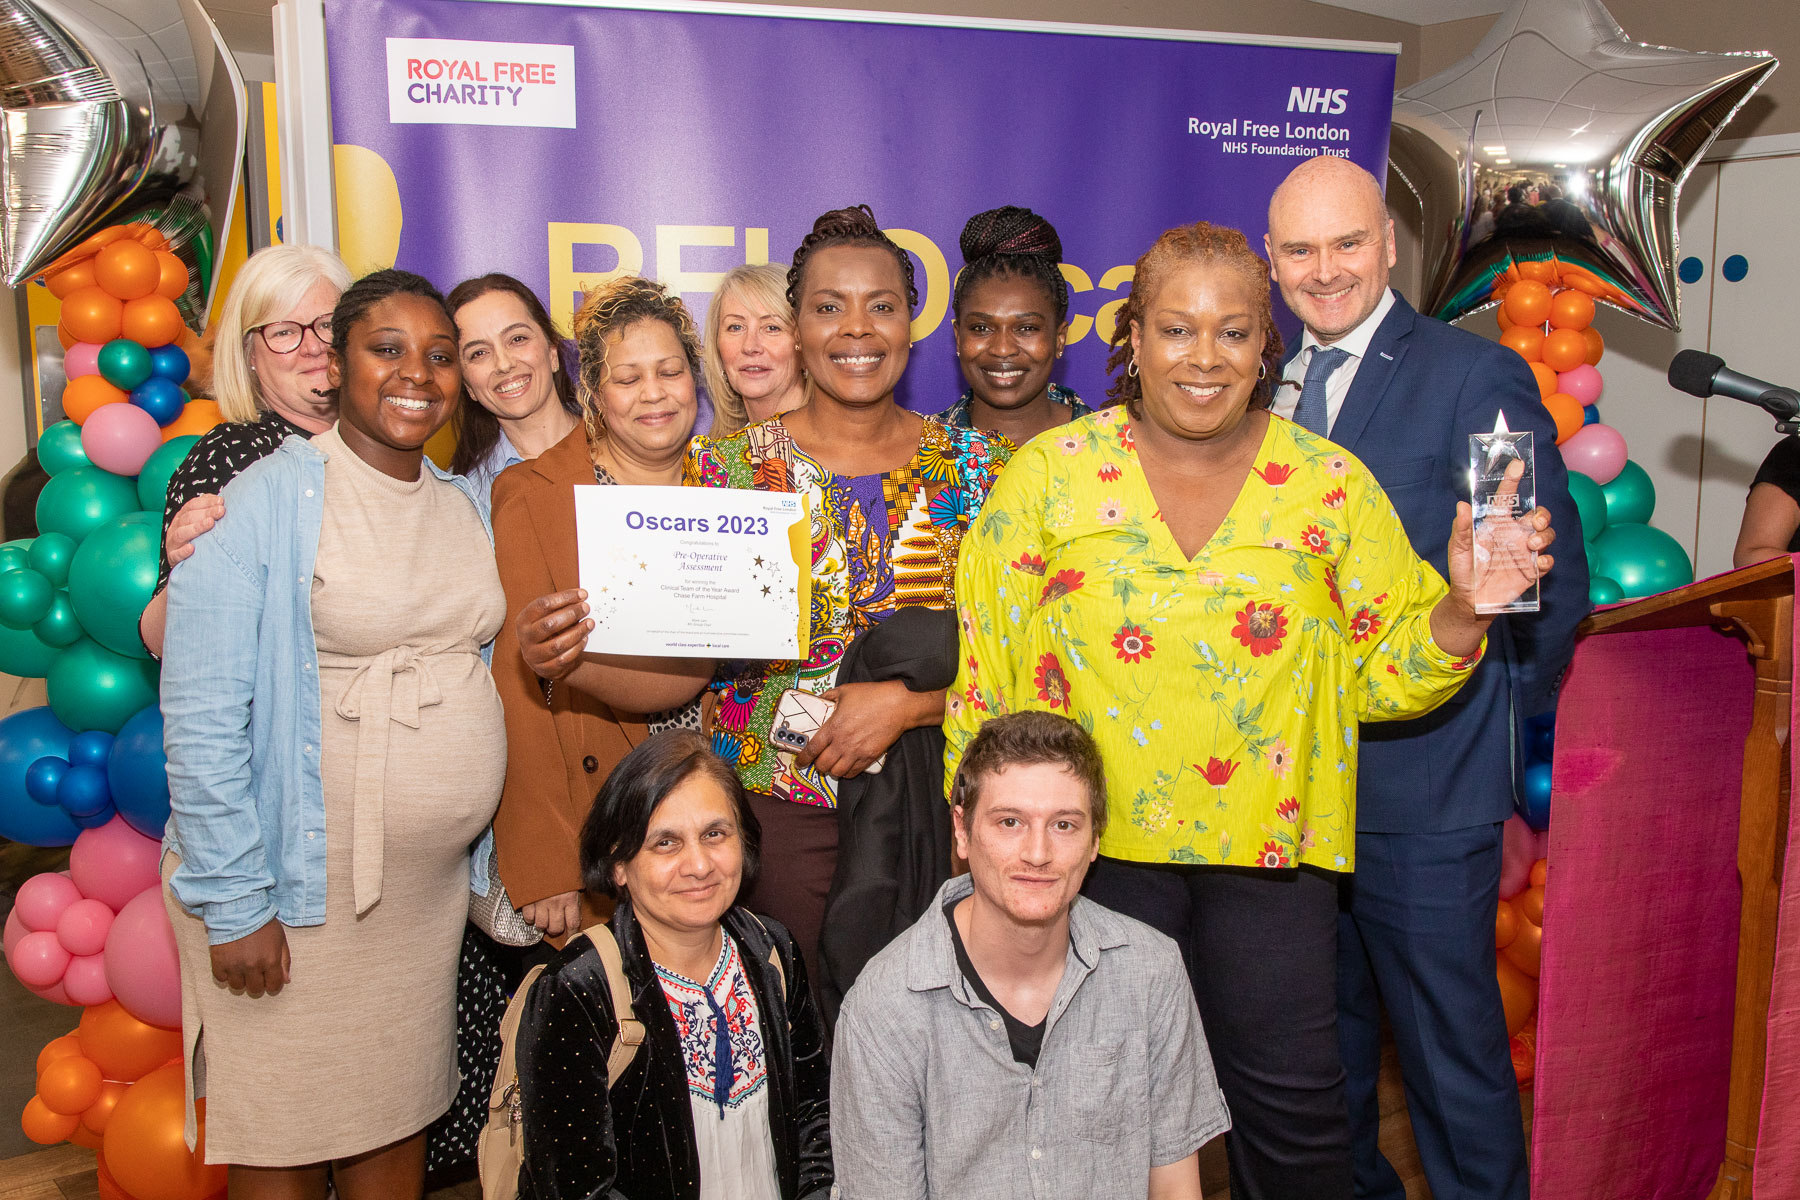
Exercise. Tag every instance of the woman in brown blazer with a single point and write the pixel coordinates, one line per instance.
(571, 716)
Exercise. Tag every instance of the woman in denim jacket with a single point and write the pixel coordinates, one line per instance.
(335, 745)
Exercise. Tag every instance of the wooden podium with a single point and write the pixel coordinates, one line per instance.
(1755, 605)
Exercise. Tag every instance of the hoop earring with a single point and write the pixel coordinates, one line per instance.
(1131, 369)
(1262, 372)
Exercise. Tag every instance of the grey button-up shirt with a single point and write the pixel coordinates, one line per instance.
(926, 1100)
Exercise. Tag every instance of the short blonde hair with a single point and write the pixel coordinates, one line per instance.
(764, 285)
(270, 284)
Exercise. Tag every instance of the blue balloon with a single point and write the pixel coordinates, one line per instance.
(170, 362)
(138, 773)
(42, 777)
(1590, 414)
(26, 737)
(83, 791)
(1537, 796)
(96, 820)
(90, 748)
(1543, 743)
(161, 398)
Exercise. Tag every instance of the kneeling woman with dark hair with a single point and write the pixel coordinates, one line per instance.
(729, 1095)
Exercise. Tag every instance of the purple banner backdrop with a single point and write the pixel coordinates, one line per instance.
(560, 143)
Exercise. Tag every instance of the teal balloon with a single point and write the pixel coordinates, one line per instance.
(111, 580)
(1642, 560)
(50, 556)
(59, 627)
(1590, 504)
(153, 476)
(90, 687)
(123, 363)
(24, 598)
(1602, 590)
(14, 558)
(59, 448)
(1630, 497)
(24, 654)
(82, 499)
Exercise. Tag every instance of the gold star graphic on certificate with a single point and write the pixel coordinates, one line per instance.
(765, 589)
(759, 560)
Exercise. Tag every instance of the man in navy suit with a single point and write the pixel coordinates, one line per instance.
(1403, 392)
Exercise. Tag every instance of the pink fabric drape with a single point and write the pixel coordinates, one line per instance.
(1778, 1135)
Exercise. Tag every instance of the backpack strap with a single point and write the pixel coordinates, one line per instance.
(631, 1030)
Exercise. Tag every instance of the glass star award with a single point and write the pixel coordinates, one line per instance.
(1503, 492)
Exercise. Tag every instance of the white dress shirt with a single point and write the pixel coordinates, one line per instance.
(1356, 343)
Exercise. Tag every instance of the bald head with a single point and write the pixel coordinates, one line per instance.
(1330, 245)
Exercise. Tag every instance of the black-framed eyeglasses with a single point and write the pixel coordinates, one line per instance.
(284, 337)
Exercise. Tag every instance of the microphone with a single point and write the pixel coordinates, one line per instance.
(1700, 374)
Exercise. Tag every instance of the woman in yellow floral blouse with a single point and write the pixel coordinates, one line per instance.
(1220, 597)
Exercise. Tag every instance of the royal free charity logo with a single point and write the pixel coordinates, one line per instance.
(441, 81)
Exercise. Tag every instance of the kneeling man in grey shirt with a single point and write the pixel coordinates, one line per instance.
(1020, 1040)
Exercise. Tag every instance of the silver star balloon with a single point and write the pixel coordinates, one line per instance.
(112, 110)
(1561, 141)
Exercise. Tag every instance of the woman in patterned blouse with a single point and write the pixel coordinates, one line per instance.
(890, 496)
(1221, 597)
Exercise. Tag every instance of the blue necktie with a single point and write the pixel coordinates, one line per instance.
(1311, 413)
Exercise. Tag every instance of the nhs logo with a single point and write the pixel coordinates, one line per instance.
(1318, 100)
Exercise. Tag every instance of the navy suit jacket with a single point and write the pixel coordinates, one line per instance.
(1423, 388)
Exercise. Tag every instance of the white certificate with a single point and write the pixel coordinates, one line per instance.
(694, 572)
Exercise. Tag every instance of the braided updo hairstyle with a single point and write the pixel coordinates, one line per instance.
(371, 290)
(1176, 248)
(847, 227)
(609, 309)
(1012, 241)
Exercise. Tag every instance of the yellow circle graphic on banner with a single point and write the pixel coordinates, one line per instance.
(368, 209)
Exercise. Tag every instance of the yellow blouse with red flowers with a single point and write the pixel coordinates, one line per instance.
(1224, 691)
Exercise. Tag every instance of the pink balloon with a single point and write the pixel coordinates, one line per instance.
(83, 358)
(119, 437)
(141, 965)
(85, 980)
(42, 899)
(38, 959)
(1597, 451)
(15, 930)
(1518, 850)
(114, 863)
(83, 926)
(1583, 383)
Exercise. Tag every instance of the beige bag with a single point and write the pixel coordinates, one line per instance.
(501, 1146)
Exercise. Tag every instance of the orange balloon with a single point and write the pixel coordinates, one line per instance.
(66, 338)
(172, 279)
(149, 235)
(1526, 951)
(1528, 340)
(1596, 346)
(1528, 302)
(1505, 321)
(123, 1046)
(1565, 410)
(84, 1137)
(1581, 281)
(1524, 1052)
(152, 320)
(145, 1147)
(85, 396)
(1546, 379)
(69, 1085)
(1543, 272)
(92, 314)
(44, 1127)
(1518, 994)
(1506, 925)
(1564, 349)
(128, 269)
(1540, 871)
(197, 416)
(1530, 904)
(57, 1048)
(70, 279)
(95, 1117)
(93, 243)
(1571, 309)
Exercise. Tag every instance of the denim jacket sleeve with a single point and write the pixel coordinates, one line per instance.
(216, 603)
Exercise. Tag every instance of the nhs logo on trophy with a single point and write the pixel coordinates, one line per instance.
(1330, 101)
(442, 81)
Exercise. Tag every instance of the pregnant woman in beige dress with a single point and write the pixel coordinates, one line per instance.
(335, 745)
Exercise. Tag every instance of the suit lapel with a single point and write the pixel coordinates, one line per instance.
(1386, 349)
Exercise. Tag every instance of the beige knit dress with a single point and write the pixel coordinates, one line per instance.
(359, 1050)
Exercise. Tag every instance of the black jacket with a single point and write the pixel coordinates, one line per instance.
(893, 826)
(632, 1138)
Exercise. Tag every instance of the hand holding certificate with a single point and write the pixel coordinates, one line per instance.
(695, 572)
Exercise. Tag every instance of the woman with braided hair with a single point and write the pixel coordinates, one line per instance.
(891, 494)
(1012, 318)
(639, 360)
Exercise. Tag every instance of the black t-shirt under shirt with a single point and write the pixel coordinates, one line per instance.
(1782, 468)
(1026, 1040)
